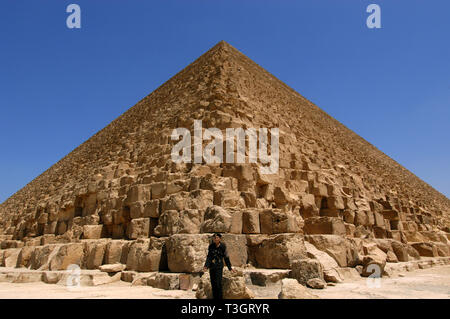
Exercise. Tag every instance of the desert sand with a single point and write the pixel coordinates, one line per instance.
(421, 284)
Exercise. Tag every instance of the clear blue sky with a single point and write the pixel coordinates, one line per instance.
(59, 86)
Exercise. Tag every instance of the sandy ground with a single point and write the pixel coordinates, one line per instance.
(425, 283)
(419, 284)
(119, 289)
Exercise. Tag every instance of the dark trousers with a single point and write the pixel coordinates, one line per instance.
(215, 274)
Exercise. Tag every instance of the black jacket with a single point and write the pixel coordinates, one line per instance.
(216, 255)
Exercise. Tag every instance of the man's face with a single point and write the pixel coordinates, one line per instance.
(217, 239)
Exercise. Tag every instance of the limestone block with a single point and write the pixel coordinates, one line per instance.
(324, 225)
(187, 252)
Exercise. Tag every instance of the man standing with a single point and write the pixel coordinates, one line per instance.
(217, 252)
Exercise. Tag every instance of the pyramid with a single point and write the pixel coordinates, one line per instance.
(119, 196)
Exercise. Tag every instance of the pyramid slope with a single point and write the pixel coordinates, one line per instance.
(222, 87)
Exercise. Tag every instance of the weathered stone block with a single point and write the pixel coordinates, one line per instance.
(137, 210)
(305, 269)
(94, 252)
(426, 249)
(335, 202)
(200, 199)
(361, 218)
(147, 255)
(116, 251)
(250, 222)
(291, 289)
(279, 251)
(237, 249)
(66, 255)
(151, 209)
(275, 221)
(390, 214)
(308, 206)
(187, 252)
(138, 227)
(92, 231)
(158, 190)
(228, 198)
(216, 219)
(341, 249)
(324, 225)
(187, 221)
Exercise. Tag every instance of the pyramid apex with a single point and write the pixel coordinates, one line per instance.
(223, 45)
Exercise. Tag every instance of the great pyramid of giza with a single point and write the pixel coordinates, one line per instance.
(119, 197)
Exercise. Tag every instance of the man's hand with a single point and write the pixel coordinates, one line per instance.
(204, 269)
(233, 270)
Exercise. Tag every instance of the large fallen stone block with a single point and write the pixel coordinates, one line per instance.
(265, 277)
(167, 281)
(412, 253)
(291, 289)
(305, 269)
(341, 249)
(374, 260)
(51, 277)
(442, 249)
(328, 263)
(233, 284)
(316, 283)
(142, 278)
(187, 252)
(128, 275)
